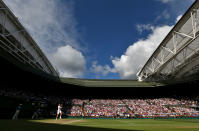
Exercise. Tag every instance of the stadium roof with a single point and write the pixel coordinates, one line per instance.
(13, 34)
(108, 83)
(97, 82)
(176, 58)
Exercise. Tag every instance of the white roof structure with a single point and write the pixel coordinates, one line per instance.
(15, 40)
(177, 56)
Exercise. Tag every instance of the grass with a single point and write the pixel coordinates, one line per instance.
(100, 125)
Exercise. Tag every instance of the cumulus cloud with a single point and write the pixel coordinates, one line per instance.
(137, 54)
(70, 62)
(53, 27)
(101, 70)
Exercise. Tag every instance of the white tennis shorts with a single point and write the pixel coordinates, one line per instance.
(58, 111)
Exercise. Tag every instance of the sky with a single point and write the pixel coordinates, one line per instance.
(98, 39)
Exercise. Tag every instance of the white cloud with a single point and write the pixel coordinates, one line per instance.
(137, 54)
(101, 70)
(142, 27)
(52, 25)
(178, 18)
(71, 63)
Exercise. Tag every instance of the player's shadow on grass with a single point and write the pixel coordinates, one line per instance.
(25, 125)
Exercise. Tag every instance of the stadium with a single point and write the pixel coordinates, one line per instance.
(165, 96)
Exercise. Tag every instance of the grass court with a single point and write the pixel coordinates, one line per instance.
(101, 125)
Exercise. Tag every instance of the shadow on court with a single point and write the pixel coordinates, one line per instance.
(25, 125)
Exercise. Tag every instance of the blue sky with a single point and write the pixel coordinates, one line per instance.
(104, 39)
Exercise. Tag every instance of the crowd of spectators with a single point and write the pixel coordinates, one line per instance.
(142, 108)
(162, 107)
(113, 108)
(108, 108)
(76, 111)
